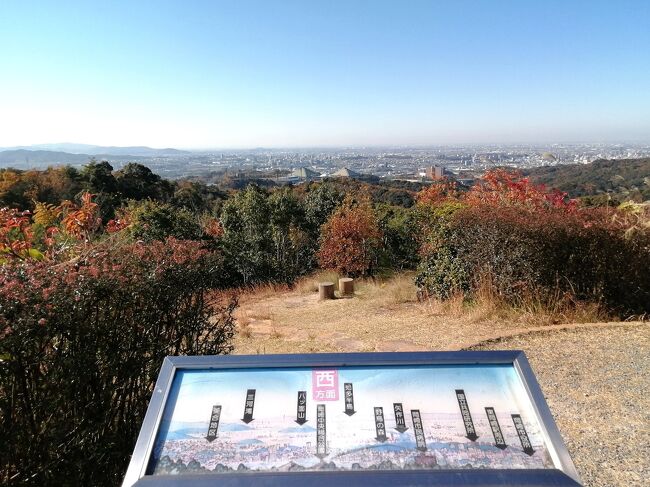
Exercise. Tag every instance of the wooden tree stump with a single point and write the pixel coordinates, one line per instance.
(325, 290)
(346, 286)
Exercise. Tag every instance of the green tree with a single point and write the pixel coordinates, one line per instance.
(265, 236)
(99, 177)
(198, 197)
(152, 220)
(247, 239)
(320, 202)
(400, 244)
(99, 180)
(293, 249)
(135, 181)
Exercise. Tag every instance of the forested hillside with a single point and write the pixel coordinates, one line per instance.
(622, 179)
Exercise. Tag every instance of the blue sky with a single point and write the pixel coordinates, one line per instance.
(430, 388)
(202, 74)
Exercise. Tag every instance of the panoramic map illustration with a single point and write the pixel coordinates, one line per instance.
(348, 418)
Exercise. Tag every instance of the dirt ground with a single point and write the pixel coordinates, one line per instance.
(597, 386)
(382, 317)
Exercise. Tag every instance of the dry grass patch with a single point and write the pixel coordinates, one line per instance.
(245, 331)
(382, 311)
(394, 290)
(454, 307)
(537, 309)
(401, 289)
(243, 323)
(242, 318)
(534, 310)
(309, 284)
(261, 312)
(259, 292)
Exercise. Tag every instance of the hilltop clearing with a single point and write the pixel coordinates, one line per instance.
(384, 315)
(381, 317)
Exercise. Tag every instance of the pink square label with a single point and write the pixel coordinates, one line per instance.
(325, 384)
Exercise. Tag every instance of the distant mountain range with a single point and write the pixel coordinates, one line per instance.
(96, 150)
(41, 159)
(44, 155)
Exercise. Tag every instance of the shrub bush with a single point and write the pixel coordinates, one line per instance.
(320, 202)
(400, 245)
(523, 250)
(81, 344)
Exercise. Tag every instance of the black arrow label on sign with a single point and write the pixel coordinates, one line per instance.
(420, 441)
(250, 405)
(499, 440)
(321, 432)
(380, 425)
(348, 393)
(523, 436)
(400, 421)
(214, 424)
(467, 417)
(301, 413)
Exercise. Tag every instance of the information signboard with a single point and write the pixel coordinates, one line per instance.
(447, 418)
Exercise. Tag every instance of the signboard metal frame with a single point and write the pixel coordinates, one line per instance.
(565, 475)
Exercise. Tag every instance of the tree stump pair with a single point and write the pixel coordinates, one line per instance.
(326, 289)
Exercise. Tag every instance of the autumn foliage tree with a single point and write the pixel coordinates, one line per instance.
(83, 220)
(439, 191)
(351, 239)
(509, 188)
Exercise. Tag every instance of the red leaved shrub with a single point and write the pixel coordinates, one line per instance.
(523, 241)
(81, 343)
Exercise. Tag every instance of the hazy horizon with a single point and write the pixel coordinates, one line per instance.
(288, 75)
(495, 144)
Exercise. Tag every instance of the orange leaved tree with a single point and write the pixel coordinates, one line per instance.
(81, 222)
(350, 239)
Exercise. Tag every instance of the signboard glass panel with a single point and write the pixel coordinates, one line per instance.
(348, 418)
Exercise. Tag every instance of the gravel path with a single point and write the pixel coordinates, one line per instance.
(597, 384)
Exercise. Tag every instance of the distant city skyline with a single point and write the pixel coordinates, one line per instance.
(291, 74)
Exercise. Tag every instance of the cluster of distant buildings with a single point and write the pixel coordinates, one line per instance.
(306, 174)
